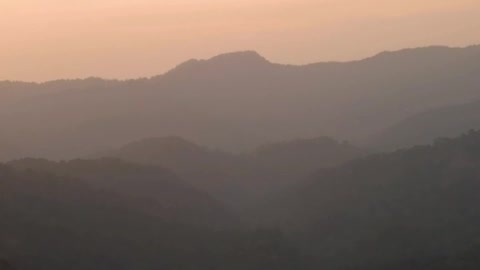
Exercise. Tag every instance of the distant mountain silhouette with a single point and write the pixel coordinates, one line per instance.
(221, 65)
(235, 101)
(413, 208)
(424, 127)
(239, 179)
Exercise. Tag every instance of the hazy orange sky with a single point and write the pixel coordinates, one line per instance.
(50, 39)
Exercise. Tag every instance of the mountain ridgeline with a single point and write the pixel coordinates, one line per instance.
(235, 101)
(240, 180)
(420, 128)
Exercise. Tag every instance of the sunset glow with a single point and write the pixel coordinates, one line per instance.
(51, 39)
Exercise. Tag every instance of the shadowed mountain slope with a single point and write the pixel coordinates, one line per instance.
(388, 209)
(60, 222)
(225, 176)
(150, 189)
(422, 128)
(302, 157)
(243, 179)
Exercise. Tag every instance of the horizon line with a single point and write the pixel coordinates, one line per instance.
(93, 77)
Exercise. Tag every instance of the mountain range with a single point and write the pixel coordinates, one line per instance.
(235, 102)
(238, 163)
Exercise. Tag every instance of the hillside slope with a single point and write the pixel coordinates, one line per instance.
(150, 189)
(388, 209)
(239, 180)
(424, 127)
(60, 222)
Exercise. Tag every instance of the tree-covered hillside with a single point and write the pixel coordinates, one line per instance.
(51, 220)
(388, 209)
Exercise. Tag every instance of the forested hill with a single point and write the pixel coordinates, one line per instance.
(154, 190)
(54, 221)
(410, 207)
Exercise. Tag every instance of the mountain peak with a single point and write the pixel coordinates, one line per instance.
(243, 56)
(234, 61)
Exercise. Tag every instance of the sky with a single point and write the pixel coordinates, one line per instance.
(52, 39)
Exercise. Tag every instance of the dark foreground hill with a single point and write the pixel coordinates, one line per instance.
(151, 189)
(411, 209)
(53, 221)
(234, 101)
